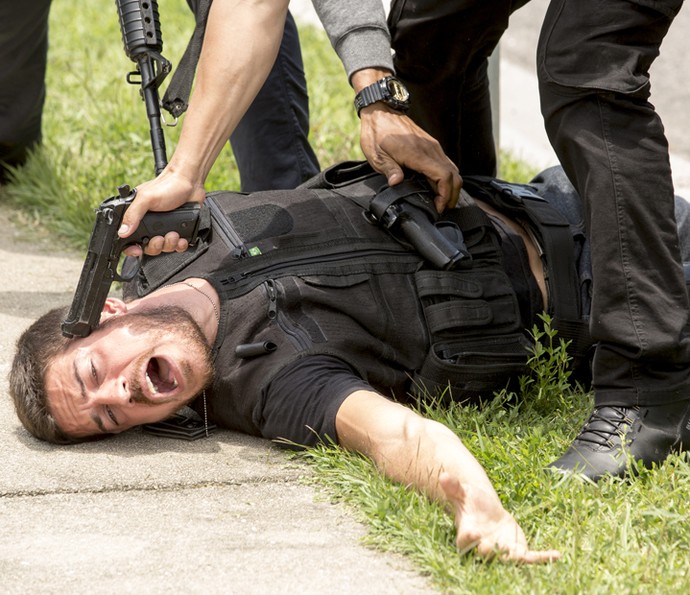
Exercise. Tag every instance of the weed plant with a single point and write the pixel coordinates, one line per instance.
(618, 536)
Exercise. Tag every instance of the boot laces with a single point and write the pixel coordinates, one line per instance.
(605, 423)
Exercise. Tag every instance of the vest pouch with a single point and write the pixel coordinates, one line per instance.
(473, 320)
(456, 303)
(557, 225)
(471, 370)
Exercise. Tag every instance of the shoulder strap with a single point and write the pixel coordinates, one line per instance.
(176, 98)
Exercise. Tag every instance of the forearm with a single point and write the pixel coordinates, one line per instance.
(428, 456)
(390, 141)
(406, 447)
(240, 46)
(367, 76)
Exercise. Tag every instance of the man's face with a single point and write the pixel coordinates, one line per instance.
(133, 370)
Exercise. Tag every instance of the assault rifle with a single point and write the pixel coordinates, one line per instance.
(141, 34)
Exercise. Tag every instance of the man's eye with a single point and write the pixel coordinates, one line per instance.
(111, 415)
(94, 375)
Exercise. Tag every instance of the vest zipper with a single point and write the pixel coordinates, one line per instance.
(297, 334)
(234, 278)
(272, 299)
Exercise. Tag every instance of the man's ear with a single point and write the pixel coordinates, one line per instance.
(113, 307)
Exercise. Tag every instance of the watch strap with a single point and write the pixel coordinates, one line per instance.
(368, 95)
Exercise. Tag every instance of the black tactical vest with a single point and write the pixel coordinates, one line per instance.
(311, 271)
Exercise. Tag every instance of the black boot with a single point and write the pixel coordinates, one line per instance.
(613, 435)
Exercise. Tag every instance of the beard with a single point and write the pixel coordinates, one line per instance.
(163, 321)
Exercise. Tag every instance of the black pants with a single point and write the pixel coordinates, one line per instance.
(23, 55)
(270, 143)
(593, 64)
(442, 49)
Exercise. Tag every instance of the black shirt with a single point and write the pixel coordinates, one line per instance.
(301, 402)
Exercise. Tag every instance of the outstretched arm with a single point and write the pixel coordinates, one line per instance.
(427, 455)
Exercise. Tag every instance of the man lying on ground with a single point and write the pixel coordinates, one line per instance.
(299, 319)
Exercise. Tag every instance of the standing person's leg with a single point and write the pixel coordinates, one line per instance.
(23, 57)
(593, 65)
(442, 49)
(271, 142)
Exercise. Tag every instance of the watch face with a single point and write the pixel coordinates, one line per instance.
(398, 90)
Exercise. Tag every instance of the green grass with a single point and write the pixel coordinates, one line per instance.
(616, 536)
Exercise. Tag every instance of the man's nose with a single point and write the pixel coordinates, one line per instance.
(115, 392)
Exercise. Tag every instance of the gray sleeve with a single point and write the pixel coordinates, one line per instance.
(683, 223)
(358, 32)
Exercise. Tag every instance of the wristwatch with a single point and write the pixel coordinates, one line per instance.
(389, 89)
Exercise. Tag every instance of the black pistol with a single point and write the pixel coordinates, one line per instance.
(441, 243)
(105, 247)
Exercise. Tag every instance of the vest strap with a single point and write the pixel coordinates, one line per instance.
(556, 239)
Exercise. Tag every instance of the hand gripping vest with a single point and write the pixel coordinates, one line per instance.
(315, 271)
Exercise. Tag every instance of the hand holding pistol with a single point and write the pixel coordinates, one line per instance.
(105, 248)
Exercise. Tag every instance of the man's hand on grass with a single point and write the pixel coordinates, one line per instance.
(484, 525)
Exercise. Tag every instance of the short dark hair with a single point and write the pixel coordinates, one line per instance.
(37, 347)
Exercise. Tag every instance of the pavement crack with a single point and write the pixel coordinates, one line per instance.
(131, 488)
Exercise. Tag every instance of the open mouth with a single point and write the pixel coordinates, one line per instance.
(160, 377)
